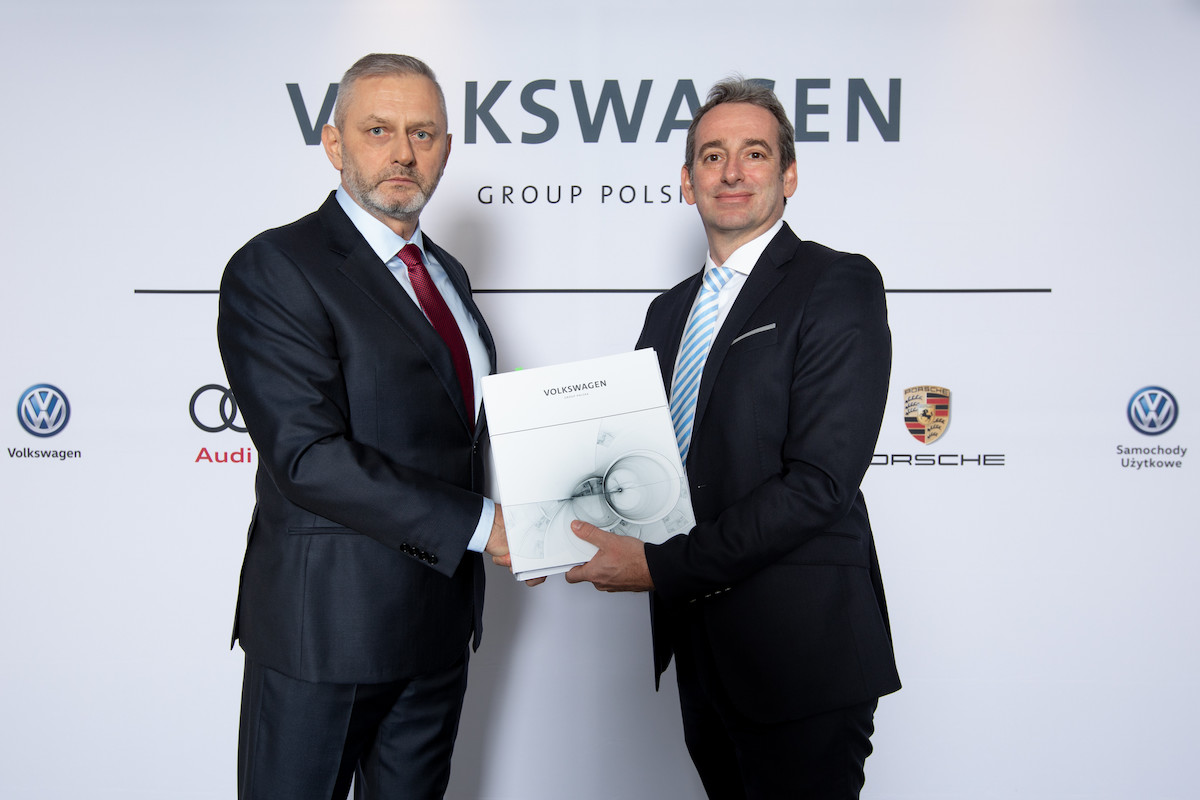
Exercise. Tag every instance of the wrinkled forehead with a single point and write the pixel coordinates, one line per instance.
(733, 125)
(383, 96)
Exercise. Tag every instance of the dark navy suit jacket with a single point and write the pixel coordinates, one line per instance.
(369, 477)
(781, 565)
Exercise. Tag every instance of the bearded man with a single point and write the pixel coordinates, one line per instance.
(355, 352)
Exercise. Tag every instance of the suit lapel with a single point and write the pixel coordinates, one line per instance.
(765, 276)
(364, 269)
(458, 276)
(672, 330)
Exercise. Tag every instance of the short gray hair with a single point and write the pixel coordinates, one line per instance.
(737, 89)
(377, 65)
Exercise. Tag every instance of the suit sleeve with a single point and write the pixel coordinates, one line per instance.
(824, 440)
(281, 356)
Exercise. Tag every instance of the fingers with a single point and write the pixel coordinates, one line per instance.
(593, 571)
(497, 543)
(590, 533)
(587, 573)
(506, 562)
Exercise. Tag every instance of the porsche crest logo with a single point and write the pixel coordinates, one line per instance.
(927, 412)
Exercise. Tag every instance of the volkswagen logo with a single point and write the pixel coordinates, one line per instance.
(43, 410)
(1152, 410)
(218, 409)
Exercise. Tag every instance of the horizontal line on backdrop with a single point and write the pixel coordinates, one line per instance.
(660, 291)
(642, 291)
(968, 291)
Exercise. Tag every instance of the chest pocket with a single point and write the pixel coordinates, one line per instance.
(755, 338)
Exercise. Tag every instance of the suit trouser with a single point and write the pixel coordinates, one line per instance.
(820, 757)
(305, 741)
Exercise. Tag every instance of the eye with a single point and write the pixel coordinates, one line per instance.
(421, 135)
(376, 131)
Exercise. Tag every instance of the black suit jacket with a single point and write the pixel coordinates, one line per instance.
(369, 475)
(780, 569)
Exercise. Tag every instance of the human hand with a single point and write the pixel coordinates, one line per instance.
(618, 566)
(497, 547)
(497, 543)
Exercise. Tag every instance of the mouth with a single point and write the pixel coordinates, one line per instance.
(400, 180)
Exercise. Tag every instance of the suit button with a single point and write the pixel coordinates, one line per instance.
(432, 558)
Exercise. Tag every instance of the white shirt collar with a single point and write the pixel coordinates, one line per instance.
(745, 257)
(383, 240)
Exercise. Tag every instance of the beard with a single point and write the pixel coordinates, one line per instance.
(368, 194)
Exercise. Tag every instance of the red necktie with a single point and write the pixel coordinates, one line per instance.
(439, 315)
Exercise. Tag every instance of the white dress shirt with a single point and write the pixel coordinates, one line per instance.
(742, 262)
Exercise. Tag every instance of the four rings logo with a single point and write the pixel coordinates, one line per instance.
(1152, 410)
(43, 410)
(218, 409)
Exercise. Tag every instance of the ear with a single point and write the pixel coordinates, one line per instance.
(789, 180)
(331, 140)
(685, 183)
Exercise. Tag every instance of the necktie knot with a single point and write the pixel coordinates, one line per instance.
(716, 278)
(410, 254)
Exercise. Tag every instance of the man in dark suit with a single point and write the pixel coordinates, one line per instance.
(355, 351)
(772, 605)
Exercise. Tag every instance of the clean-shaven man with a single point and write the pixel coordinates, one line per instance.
(776, 357)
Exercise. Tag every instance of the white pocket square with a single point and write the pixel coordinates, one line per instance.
(748, 334)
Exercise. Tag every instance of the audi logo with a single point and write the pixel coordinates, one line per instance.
(219, 413)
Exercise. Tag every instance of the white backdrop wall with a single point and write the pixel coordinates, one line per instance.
(1042, 598)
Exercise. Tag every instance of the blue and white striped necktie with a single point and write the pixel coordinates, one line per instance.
(697, 340)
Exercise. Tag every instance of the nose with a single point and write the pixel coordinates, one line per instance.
(402, 151)
(731, 170)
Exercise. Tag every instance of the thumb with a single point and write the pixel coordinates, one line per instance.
(589, 532)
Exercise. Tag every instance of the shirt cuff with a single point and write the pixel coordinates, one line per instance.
(483, 531)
